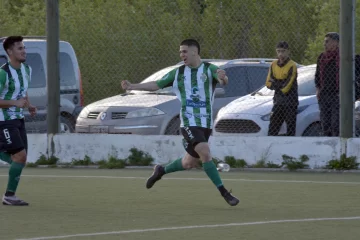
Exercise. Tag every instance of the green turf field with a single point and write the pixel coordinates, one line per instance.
(114, 204)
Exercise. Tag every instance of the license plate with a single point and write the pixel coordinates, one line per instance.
(99, 129)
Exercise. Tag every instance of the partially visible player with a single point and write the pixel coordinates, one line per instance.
(15, 77)
(194, 84)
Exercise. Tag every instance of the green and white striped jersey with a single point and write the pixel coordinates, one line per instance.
(194, 87)
(13, 86)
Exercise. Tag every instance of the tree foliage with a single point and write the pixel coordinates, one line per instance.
(130, 39)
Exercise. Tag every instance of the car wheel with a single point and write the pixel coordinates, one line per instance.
(173, 127)
(314, 130)
(66, 125)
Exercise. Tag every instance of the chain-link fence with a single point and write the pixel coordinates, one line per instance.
(139, 41)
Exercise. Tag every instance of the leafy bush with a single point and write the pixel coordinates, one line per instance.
(31, 165)
(43, 160)
(235, 163)
(273, 165)
(240, 163)
(259, 164)
(292, 163)
(345, 163)
(139, 158)
(82, 162)
(230, 160)
(113, 163)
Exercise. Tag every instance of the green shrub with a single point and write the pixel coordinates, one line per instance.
(273, 165)
(112, 163)
(292, 163)
(230, 160)
(43, 160)
(240, 163)
(31, 165)
(345, 163)
(139, 158)
(259, 164)
(235, 163)
(82, 162)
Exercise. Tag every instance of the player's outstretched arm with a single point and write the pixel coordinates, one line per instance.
(149, 86)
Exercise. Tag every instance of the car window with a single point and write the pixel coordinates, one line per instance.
(306, 83)
(38, 79)
(159, 74)
(257, 77)
(67, 71)
(238, 84)
(3, 60)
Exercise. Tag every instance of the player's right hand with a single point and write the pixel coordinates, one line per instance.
(21, 103)
(126, 85)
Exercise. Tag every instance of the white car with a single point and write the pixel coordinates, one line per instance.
(250, 115)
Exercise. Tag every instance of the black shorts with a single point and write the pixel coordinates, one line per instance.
(193, 136)
(13, 138)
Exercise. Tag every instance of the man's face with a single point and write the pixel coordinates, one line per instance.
(282, 53)
(330, 44)
(188, 54)
(17, 52)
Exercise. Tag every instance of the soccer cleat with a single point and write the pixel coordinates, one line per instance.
(159, 171)
(13, 201)
(230, 199)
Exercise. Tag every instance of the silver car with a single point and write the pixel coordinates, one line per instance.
(157, 113)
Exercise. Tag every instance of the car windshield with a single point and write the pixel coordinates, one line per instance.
(156, 76)
(306, 83)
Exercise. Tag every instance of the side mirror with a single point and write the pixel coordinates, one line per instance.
(219, 92)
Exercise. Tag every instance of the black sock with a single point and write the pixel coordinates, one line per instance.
(222, 190)
(9, 194)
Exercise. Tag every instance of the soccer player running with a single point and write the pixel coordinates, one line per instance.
(15, 77)
(194, 83)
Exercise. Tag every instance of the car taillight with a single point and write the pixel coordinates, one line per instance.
(81, 90)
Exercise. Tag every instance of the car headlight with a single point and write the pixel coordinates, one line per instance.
(266, 117)
(220, 112)
(299, 110)
(84, 112)
(145, 112)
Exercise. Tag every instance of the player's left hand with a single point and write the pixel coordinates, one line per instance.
(32, 110)
(222, 76)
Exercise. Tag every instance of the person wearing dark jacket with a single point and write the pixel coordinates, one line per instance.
(327, 85)
(282, 78)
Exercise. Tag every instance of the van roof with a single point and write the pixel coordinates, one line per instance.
(31, 38)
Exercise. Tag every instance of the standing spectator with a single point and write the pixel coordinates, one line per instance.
(327, 85)
(282, 78)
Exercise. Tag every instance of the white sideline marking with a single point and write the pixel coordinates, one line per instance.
(192, 227)
(193, 179)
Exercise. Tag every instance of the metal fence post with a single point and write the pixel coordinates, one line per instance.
(347, 22)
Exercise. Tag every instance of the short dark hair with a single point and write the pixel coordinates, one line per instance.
(191, 42)
(333, 35)
(282, 44)
(10, 41)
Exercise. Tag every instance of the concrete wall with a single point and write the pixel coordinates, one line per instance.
(167, 148)
(353, 148)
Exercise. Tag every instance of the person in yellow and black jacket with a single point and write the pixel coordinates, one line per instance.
(282, 78)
